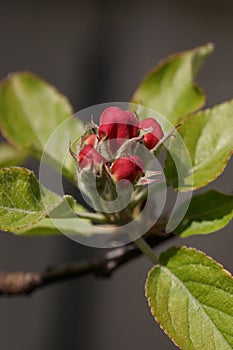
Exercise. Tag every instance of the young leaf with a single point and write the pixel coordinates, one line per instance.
(207, 213)
(23, 201)
(169, 89)
(10, 156)
(30, 111)
(208, 138)
(191, 296)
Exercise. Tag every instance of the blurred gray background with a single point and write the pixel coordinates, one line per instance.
(94, 52)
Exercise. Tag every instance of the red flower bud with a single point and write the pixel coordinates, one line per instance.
(89, 157)
(151, 138)
(117, 124)
(127, 168)
(90, 140)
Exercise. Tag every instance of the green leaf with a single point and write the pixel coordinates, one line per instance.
(23, 202)
(208, 138)
(191, 296)
(62, 219)
(70, 218)
(10, 156)
(169, 89)
(32, 112)
(69, 226)
(207, 213)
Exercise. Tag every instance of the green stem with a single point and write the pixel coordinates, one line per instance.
(96, 217)
(143, 194)
(146, 249)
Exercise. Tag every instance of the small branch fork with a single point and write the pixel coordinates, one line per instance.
(23, 283)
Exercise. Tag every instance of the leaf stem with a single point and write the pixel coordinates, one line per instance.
(96, 217)
(146, 249)
(143, 194)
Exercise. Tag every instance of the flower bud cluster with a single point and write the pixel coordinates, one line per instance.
(117, 128)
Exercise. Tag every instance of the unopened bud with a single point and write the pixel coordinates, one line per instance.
(151, 138)
(117, 124)
(127, 168)
(89, 157)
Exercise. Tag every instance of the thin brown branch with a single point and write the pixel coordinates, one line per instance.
(21, 283)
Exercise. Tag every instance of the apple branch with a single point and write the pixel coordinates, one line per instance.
(23, 283)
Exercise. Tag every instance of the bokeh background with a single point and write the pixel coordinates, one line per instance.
(94, 52)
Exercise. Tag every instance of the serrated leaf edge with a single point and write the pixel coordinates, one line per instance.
(158, 265)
